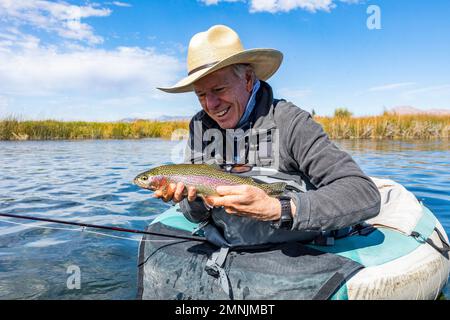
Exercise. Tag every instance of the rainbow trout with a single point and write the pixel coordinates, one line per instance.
(205, 178)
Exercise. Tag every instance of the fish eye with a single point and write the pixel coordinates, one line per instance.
(144, 178)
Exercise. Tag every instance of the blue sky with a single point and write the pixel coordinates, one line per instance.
(101, 60)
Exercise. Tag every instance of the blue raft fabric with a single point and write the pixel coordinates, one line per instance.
(175, 269)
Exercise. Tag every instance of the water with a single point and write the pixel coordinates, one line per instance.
(90, 181)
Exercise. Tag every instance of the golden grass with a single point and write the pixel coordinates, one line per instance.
(11, 129)
(386, 126)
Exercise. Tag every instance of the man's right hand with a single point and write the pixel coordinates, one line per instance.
(176, 193)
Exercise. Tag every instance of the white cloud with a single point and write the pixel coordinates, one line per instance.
(215, 2)
(89, 84)
(13, 38)
(71, 79)
(274, 6)
(60, 17)
(391, 86)
(76, 82)
(121, 4)
(47, 71)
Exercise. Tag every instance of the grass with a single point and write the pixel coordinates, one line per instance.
(13, 129)
(340, 126)
(387, 126)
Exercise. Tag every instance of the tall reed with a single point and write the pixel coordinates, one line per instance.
(11, 129)
(386, 126)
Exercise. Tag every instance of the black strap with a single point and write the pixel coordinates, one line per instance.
(329, 287)
(445, 246)
(336, 281)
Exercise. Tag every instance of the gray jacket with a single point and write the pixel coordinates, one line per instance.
(340, 194)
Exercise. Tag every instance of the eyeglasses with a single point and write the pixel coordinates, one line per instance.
(236, 168)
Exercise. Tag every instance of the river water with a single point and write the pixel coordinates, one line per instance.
(91, 182)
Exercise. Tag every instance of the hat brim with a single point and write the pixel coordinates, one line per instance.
(265, 63)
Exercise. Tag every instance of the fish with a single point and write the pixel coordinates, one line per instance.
(205, 178)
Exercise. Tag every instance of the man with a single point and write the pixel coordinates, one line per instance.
(230, 85)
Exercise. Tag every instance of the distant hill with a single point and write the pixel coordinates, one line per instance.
(160, 118)
(412, 110)
(174, 118)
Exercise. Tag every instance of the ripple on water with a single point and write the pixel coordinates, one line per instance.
(62, 193)
(43, 243)
(90, 184)
(105, 197)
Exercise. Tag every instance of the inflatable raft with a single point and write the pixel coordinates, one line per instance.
(403, 253)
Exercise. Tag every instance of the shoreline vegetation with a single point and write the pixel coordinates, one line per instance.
(341, 126)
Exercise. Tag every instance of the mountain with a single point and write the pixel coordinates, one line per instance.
(412, 110)
(173, 118)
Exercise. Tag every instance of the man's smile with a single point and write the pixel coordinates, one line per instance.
(222, 113)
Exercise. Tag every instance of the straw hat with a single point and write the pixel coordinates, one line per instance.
(220, 47)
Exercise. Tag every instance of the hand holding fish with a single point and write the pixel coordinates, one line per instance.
(239, 195)
(246, 200)
(176, 192)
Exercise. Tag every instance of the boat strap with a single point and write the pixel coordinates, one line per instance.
(214, 267)
(445, 246)
(330, 286)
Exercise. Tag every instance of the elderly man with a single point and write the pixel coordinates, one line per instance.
(230, 85)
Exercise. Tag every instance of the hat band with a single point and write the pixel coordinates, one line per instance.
(202, 67)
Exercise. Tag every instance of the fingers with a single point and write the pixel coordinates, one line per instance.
(165, 193)
(226, 201)
(178, 194)
(175, 192)
(234, 190)
(168, 192)
(192, 194)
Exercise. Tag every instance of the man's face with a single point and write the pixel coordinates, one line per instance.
(224, 96)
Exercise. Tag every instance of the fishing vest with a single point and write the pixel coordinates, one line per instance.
(259, 144)
(225, 230)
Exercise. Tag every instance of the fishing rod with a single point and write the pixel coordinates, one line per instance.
(95, 226)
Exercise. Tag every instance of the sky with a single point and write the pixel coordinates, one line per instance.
(102, 60)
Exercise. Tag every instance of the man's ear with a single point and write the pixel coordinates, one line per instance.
(249, 82)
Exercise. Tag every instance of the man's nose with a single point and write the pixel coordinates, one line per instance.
(212, 101)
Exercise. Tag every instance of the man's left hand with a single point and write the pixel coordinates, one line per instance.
(249, 201)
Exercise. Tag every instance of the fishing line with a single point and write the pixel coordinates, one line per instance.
(83, 229)
(94, 226)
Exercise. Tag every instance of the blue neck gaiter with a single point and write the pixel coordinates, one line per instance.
(250, 105)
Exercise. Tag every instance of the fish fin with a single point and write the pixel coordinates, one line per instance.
(208, 203)
(275, 188)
